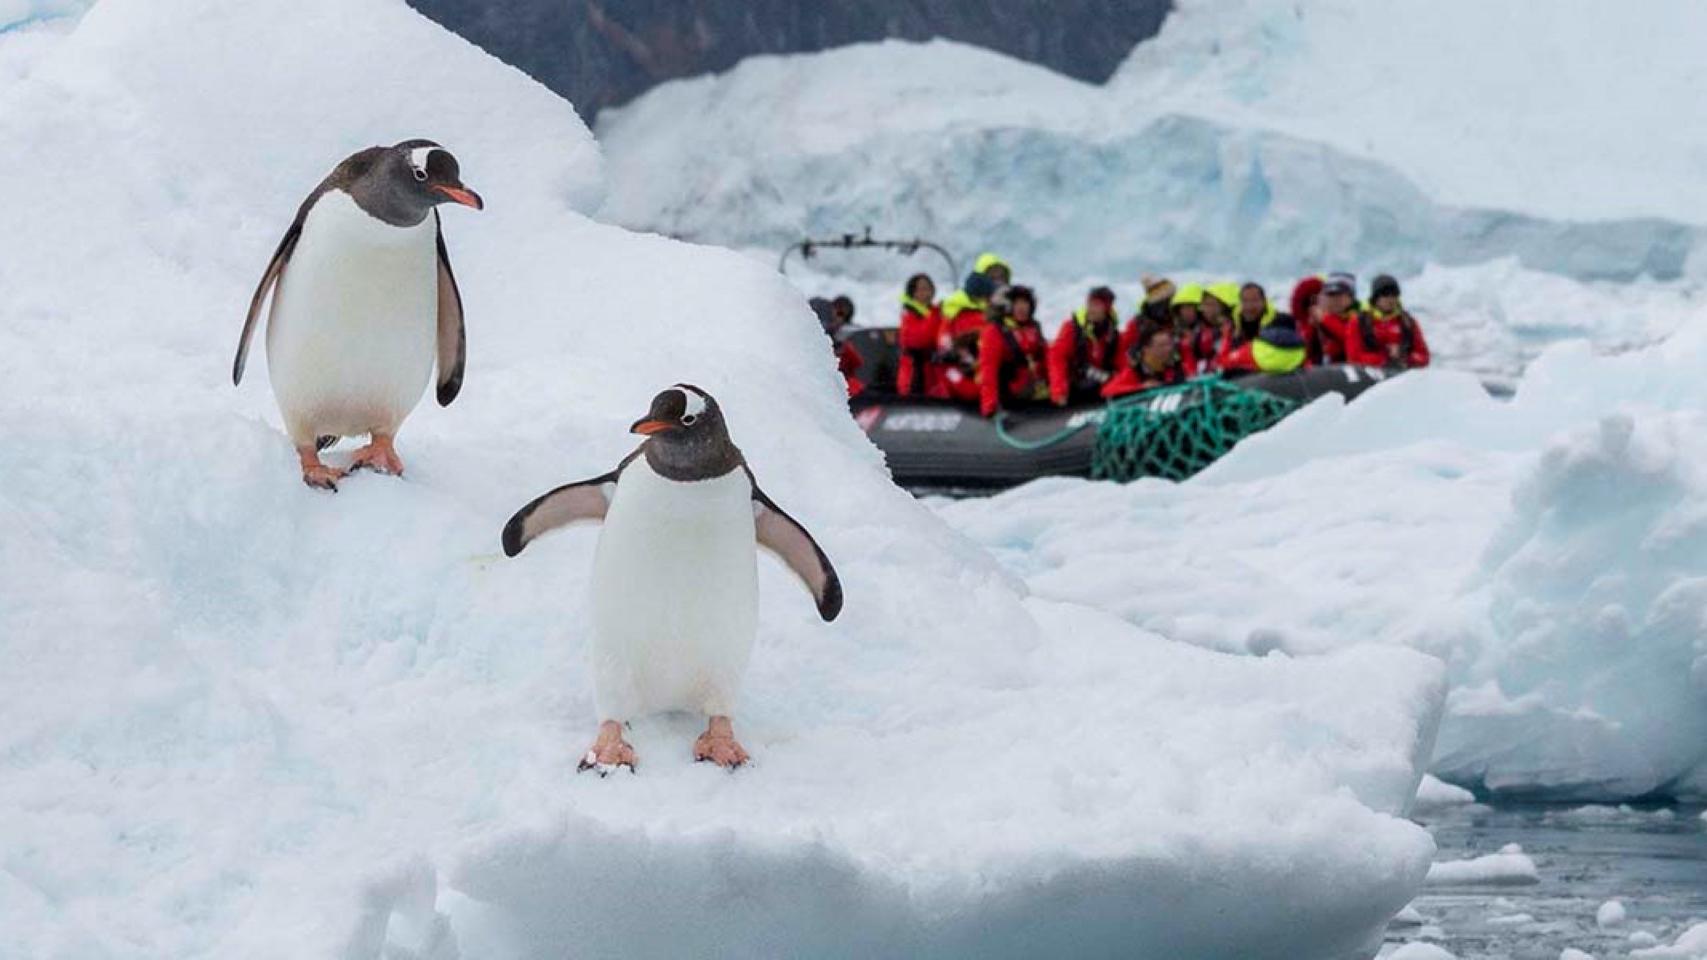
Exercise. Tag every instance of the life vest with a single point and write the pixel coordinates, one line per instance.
(913, 373)
(1110, 341)
(959, 302)
(1407, 330)
(1274, 359)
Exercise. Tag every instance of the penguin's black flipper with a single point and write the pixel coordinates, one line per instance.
(584, 500)
(784, 536)
(453, 341)
(275, 268)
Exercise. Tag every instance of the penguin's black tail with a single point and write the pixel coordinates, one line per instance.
(321, 443)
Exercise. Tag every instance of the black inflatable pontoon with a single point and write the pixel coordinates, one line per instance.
(940, 444)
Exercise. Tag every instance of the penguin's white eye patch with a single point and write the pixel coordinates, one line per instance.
(692, 403)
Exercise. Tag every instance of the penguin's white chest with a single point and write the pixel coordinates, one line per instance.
(354, 325)
(675, 594)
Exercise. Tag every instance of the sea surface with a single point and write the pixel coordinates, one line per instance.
(1653, 859)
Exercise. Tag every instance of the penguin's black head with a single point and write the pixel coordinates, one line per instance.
(685, 435)
(433, 174)
(407, 180)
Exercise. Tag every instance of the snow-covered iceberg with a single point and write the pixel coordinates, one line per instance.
(239, 719)
(1553, 550)
(1224, 144)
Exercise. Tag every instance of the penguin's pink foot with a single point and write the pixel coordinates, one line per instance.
(316, 474)
(379, 456)
(718, 745)
(608, 753)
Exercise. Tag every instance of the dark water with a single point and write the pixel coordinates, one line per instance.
(1653, 859)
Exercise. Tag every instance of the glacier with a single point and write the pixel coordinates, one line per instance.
(243, 719)
(1149, 173)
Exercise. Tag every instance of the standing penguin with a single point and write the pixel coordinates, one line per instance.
(675, 578)
(363, 302)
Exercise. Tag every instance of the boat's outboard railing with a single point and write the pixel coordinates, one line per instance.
(807, 248)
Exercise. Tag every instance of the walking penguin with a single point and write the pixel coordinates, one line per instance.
(675, 579)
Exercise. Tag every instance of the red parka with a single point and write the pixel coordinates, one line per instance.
(1303, 295)
(917, 372)
(1202, 347)
(1132, 378)
(1012, 360)
(1332, 334)
(1081, 360)
(849, 361)
(1386, 340)
(959, 336)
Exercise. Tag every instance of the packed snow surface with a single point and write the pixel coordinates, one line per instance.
(1549, 548)
(244, 719)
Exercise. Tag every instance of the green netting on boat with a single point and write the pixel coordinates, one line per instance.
(1173, 432)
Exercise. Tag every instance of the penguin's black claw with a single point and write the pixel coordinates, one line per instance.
(591, 762)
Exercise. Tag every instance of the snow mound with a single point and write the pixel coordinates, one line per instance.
(1548, 549)
(1510, 867)
(977, 150)
(243, 719)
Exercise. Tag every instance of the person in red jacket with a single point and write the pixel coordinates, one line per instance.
(1012, 356)
(918, 373)
(835, 315)
(1158, 308)
(1278, 347)
(1386, 335)
(1155, 362)
(958, 336)
(1307, 311)
(1338, 315)
(1209, 344)
(1252, 314)
(1086, 351)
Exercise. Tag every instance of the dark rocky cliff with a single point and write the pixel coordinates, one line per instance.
(601, 53)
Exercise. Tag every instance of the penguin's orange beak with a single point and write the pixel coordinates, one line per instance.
(462, 195)
(648, 427)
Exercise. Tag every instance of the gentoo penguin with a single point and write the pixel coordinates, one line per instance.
(363, 301)
(675, 579)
